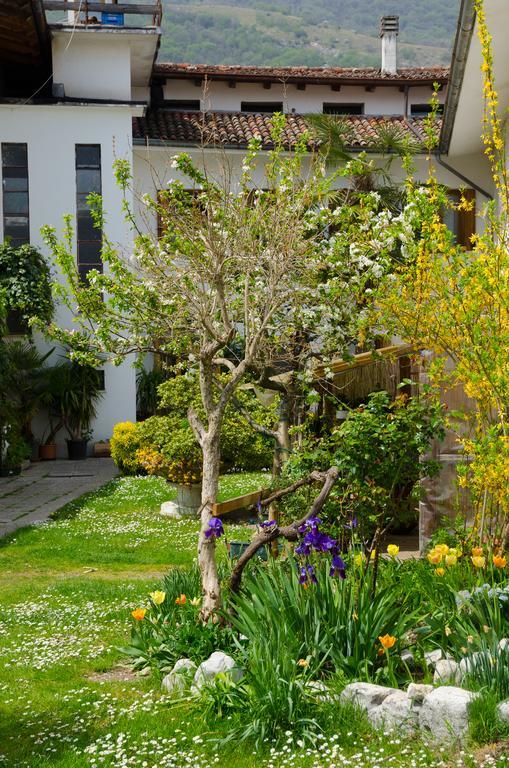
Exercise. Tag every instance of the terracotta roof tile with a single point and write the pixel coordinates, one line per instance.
(235, 129)
(300, 74)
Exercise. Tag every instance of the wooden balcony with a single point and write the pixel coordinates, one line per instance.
(89, 12)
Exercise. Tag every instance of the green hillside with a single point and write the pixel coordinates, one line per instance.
(305, 32)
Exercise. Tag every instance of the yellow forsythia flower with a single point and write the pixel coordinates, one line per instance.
(392, 550)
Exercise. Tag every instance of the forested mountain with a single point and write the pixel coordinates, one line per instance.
(305, 32)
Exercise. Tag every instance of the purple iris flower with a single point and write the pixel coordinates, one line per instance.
(310, 525)
(312, 574)
(267, 523)
(353, 523)
(338, 567)
(303, 575)
(303, 549)
(215, 529)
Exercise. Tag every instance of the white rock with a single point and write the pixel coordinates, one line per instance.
(170, 509)
(444, 713)
(217, 664)
(503, 644)
(395, 711)
(433, 657)
(366, 695)
(468, 665)
(503, 711)
(407, 657)
(417, 692)
(446, 671)
(178, 679)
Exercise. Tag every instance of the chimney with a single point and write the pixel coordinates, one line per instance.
(389, 29)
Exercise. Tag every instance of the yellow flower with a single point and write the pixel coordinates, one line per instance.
(182, 600)
(455, 551)
(442, 548)
(439, 571)
(195, 601)
(387, 641)
(448, 631)
(303, 662)
(373, 554)
(434, 557)
(451, 559)
(392, 550)
(479, 561)
(139, 614)
(477, 551)
(470, 639)
(485, 629)
(359, 559)
(158, 597)
(499, 561)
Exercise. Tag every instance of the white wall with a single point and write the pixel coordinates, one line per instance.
(91, 65)
(383, 100)
(51, 133)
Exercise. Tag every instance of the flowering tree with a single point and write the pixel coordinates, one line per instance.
(242, 283)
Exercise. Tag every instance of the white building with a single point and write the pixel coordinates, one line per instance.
(76, 92)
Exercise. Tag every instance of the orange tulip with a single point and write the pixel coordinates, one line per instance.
(499, 561)
(139, 614)
(387, 641)
(477, 551)
(182, 600)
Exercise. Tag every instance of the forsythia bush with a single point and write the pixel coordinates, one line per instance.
(125, 443)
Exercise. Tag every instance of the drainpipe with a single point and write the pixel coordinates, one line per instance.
(462, 176)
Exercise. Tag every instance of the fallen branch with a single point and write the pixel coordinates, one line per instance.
(288, 532)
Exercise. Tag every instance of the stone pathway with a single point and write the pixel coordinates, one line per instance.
(45, 487)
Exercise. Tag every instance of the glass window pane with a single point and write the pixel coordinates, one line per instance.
(90, 253)
(88, 181)
(15, 180)
(84, 269)
(88, 156)
(17, 228)
(16, 202)
(14, 154)
(86, 229)
(81, 203)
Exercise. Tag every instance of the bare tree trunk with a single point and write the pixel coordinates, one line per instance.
(282, 435)
(207, 546)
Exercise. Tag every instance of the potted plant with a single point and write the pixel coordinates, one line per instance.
(13, 450)
(79, 396)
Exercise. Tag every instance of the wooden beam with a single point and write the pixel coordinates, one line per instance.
(239, 502)
(364, 358)
(97, 6)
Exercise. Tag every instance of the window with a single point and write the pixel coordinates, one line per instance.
(182, 105)
(15, 193)
(267, 107)
(329, 108)
(420, 110)
(88, 180)
(461, 223)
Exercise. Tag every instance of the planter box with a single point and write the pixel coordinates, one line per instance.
(77, 449)
(48, 452)
(102, 450)
(188, 499)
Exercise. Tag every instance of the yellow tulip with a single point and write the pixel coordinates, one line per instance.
(434, 557)
(439, 571)
(195, 601)
(303, 662)
(392, 550)
(479, 561)
(158, 597)
(451, 559)
(442, 548)
(373, 554)
(359, 559)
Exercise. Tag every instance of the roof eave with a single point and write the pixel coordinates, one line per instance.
(464, 32)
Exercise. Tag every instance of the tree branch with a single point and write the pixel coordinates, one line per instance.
(288, 532)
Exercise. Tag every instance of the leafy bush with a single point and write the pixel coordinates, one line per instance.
(165, 445)
(378, 450)
(25, 278)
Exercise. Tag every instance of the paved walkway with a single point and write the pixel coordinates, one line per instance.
(45, 487)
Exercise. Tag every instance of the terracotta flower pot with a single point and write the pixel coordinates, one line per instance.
(48, 452)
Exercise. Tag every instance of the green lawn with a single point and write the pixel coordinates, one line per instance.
(67, 697)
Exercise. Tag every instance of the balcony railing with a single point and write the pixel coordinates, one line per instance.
(87, 11)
